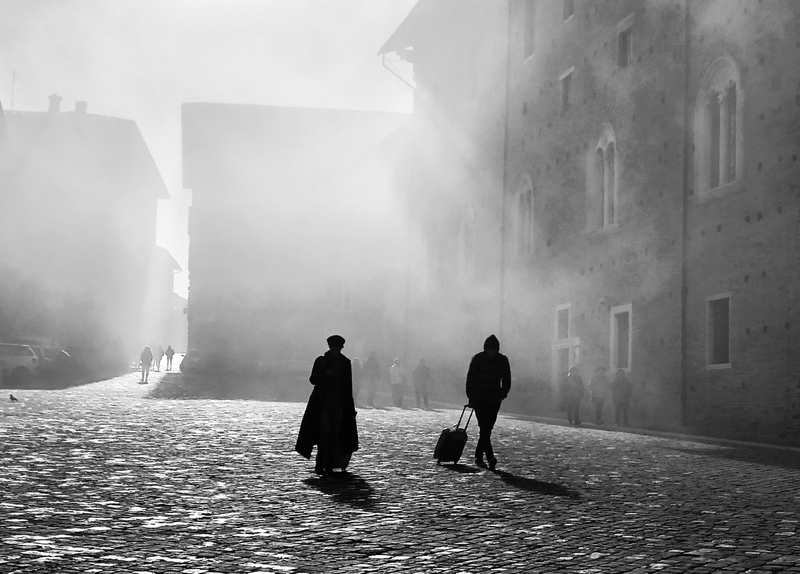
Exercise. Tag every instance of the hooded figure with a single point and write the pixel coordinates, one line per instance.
(329, 421)
(488, 384)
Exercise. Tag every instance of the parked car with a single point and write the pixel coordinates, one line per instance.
(18, 363)
(58, 363)
(215, 363)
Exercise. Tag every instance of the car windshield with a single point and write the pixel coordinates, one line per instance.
(16, 351)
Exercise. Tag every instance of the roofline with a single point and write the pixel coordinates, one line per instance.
(390, 45)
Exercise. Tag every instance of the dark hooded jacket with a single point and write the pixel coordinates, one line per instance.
(331, 372)
(488, 378)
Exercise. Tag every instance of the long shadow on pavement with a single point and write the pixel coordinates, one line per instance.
(538, 486)
(780, 458)
(346, 488)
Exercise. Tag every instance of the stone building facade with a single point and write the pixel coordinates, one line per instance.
(649, 214)
(291, 235)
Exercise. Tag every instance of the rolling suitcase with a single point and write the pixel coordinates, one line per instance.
(452, 440)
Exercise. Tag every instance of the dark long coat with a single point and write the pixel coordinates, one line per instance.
(334, 372)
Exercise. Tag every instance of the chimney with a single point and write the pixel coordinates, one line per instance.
(55, 103)
(80, 108)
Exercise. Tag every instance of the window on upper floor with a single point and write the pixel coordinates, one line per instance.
(602, 181)
(718, 153)
(625, 47)
(625, 41)
(569, 9)
(524, 222)
(529, 27)
(566, 89)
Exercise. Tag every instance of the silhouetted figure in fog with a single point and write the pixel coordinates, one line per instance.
(157, 359)
(146, 359)
(621, 391)
(421, 376)
(170, 352)
(488, 384)
(329, 421)
(356, 379)
(572, 390)
(372, 373)
(397, 376)
(598, 388)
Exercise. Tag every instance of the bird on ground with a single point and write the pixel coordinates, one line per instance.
(13, 399)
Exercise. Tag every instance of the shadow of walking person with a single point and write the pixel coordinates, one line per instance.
(533, 485)
(346, 488)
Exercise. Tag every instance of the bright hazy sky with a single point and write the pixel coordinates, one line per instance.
(141, 59)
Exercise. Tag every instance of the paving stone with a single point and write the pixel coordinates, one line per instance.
(102, 478)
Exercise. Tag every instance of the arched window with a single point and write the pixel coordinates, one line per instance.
(523, 220)
(718, 158)
(602, 188)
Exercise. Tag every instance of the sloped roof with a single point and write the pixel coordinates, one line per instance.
(71, 150)
(425, 18)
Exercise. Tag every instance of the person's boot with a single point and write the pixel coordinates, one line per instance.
(492, 463)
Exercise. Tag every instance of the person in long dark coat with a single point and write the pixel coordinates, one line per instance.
(621, 391)
(572, 390)
(329, 421)
(488, 384)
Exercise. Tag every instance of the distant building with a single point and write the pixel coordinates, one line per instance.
(649, 199)
(291, 235)
(77, 232)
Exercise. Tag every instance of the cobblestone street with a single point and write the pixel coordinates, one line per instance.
(100, 478)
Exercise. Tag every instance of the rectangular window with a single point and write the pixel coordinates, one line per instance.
(624, 46)
(569, 9)
(566, 89)
(562, 322)
(621, 337)
(718, 331)
(530, 27)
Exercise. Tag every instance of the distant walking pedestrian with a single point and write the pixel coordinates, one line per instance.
(371, 371)
(157, 359)
(356, 379)
(598, 388)
(488, 385)
(146, 358)
(621, 391)
(170, 352)
(329, 421)
(397, 376)
(572, 391)
(421, 376)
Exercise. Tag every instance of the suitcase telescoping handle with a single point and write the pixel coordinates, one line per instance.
(469, 418)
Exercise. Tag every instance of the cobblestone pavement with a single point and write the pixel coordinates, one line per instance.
(101, 478)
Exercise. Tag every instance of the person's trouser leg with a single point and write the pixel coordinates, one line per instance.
(425, 394)
(371, 392)
(617, 412)
(625, 414)
(569, 402)
(397, 395)
(487, 417)
(417, 394)
(598, 411)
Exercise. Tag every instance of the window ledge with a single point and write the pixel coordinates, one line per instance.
(718, 366)
(600, 231)
(723, 190)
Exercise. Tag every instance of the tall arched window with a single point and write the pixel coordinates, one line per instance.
(602, 180)
(523, 220)
(718, 158)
